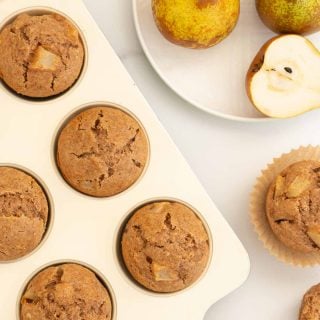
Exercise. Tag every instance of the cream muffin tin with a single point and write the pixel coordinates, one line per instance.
(86, 229)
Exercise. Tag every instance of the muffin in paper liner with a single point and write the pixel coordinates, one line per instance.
(258, 212)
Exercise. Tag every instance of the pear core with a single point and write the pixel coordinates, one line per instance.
(284, 79)
(195, 23)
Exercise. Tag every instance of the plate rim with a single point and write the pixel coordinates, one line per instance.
(166, 81)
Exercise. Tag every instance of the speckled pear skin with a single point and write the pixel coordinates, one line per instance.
(304, 17)
(196, 23)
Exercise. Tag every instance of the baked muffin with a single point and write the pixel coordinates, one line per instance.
(293, 206)
(40, 56)
(64, 292)
(23, 213)
(310, 307)
(102, 151)
(165, 246)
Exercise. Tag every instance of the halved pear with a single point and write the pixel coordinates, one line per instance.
(284, 78)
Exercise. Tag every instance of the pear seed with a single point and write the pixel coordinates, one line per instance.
(289, 70)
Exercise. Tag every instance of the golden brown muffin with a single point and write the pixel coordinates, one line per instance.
(65, 292)
(165, 246)
(40, 56)
(102, 151)
(23, 213)
(310, 307)
(293, 206)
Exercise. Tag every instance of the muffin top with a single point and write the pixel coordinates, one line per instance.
(102, 151)
(64, 292)
(310, 304)
(165, 246)
(293, 206)
(23, 213)
(40, 56)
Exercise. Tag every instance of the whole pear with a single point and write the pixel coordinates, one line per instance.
(290, 16)
(195, 23)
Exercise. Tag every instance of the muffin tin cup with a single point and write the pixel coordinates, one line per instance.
(50, 219)
(122, 226)
(40, 10)
(97, 273)
(76, 112)
(258, 214)
(86, 228)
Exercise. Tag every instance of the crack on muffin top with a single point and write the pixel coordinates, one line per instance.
(17, 204)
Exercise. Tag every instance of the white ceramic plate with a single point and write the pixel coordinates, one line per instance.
(212, 79)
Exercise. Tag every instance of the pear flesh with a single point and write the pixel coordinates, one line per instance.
(284, 79)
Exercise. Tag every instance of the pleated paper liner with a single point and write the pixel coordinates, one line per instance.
(258, 213)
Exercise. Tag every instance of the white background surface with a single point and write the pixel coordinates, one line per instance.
(227, 157)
